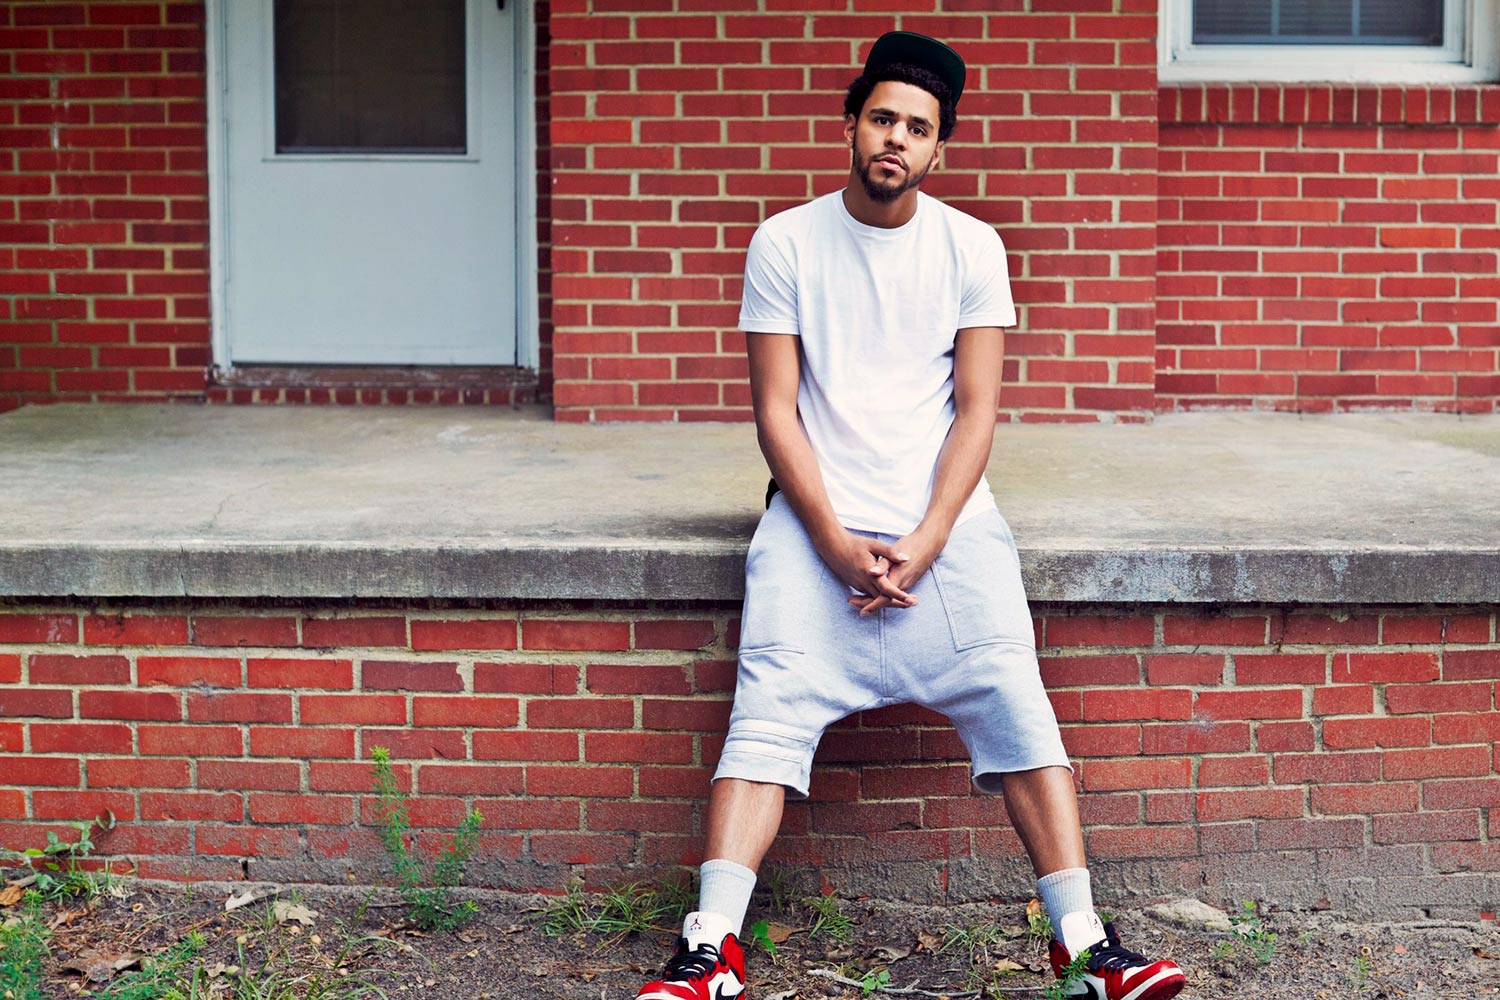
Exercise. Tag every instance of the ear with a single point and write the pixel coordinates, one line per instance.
(937, 153)
(849, 123)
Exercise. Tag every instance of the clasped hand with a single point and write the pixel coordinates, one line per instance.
(882, 574)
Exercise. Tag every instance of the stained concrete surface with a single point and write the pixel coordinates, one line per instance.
(148, 500)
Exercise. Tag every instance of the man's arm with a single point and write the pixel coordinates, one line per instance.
(977, 354)
(775, 372)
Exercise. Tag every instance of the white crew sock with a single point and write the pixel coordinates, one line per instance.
(1069, 899)
(724, 889)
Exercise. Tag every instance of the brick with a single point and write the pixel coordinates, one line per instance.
(1115, 775)
(1284, 703)
(249, 774)
(1274, 737)
(352, 709)
(525, 678)
(490, 745)
(657, 748)
(229, 630)
(1385, 667)
(465, 711)
(1115, 705)
(273, 808)
(470, 779)
(576, 781)
(236, 706)
(1275, 803)
(1426, 827)
(289, 741)
(38, 628)
(1078, 671)
(444, 634)
(579, 848)
(1142, 842)
(1397, 629)
(1402, 699)
(33, 770)
(1470, 664)
(1241, 771)
(37, 703)
(80, 737)
(76, 805)
(299, 672)
(58, 668)
(1364, 799)
(1184, 668)
(226, 807)
(1295, 834)
(1196, 737)
(410, 675)
(187, 671)
(194, 740)
(353, 776)
(1348, 734)
(1344, 699)
(1280, 668)
(1095, 740)
(1466, 728)
(357, 631)
(1325, 629)
(135, 630)
(107, 773)
(673, 634)
(139, 705)
(1436, 762)
(1461, 793)
(580, 713)
(574, 635)
(245, 841)
(530, 814)
(690, 714)
(418, 744)
(632, 678)
(1099, 630)
(10, 668)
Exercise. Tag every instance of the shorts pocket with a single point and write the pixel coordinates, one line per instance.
(979, 582)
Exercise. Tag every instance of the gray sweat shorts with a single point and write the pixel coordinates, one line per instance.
(807, 659)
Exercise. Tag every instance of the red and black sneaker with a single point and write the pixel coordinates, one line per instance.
(700, 969)
(1113, 972)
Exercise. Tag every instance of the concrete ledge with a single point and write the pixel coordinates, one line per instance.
(158, 501)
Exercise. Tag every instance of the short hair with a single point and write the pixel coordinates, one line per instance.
(859, 92)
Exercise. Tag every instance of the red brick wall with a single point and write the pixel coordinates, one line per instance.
(104, 284)
(1214, 748)
(1318, 248)
(679, 126)
(1329, 248)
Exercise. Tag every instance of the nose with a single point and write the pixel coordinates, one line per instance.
(897, 136)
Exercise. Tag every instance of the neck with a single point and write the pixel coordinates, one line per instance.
(881, 214)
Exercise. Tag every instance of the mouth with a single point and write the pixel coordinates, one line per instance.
(893, 162)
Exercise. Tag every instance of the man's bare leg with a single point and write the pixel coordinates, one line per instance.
(1043, 808)
(743, 817)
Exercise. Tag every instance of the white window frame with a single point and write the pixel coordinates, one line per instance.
(1470, 53)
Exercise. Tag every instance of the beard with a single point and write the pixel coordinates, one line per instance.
(877, 187)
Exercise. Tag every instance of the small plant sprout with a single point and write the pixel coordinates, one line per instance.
(829, 918)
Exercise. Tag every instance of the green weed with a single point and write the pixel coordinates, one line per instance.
(23, 951)
(1074, 971)
(874, 980)
(1247, 924)
(1222, 951)
(828, 917)
(1359, 974)
(172, 975)
(979, 943)
(760, 933)
(632, 908)
(429, 906)
(58, 868)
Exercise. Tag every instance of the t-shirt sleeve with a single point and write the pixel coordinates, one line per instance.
(769, 302)
(986, 294)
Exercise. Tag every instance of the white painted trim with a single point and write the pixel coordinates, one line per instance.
(528, 298)
(1471, 53)
(218, 216)
(528, 301)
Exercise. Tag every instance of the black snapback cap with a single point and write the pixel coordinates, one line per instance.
(913, 49)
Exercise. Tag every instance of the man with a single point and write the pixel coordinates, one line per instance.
(882, 571)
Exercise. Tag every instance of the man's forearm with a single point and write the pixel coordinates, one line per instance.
(796, 471)
(965, 453)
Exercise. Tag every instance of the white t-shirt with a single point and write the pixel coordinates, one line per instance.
(878, 312)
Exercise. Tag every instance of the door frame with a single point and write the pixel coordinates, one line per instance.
(524, 207)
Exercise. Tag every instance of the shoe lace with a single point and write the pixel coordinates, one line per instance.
(694, 963)
(1111, 955)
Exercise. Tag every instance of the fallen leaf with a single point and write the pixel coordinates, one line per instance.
(287, 912)
(779, 932)
(471, 936)
(11, 895)
(98, 966)
(1033, 909)
(929, 942)
(472, 954)
(1481, 953)
(889, 953)
(783, 995)
(1006, 965)
(246, 898)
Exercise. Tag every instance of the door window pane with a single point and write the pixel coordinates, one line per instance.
(1318, 22)
(370, 76)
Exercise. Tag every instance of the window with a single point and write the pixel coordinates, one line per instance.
(1358, 41)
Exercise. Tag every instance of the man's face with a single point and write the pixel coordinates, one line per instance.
(894, 141)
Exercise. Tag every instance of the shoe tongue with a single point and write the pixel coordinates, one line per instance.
(704, 927)
(1080, 930)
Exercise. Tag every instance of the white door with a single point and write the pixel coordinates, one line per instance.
(370, 182)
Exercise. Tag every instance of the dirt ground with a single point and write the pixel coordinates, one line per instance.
(345, 944)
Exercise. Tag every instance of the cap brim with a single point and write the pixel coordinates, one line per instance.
(913, 49)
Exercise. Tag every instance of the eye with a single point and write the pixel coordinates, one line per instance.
(881, 119)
